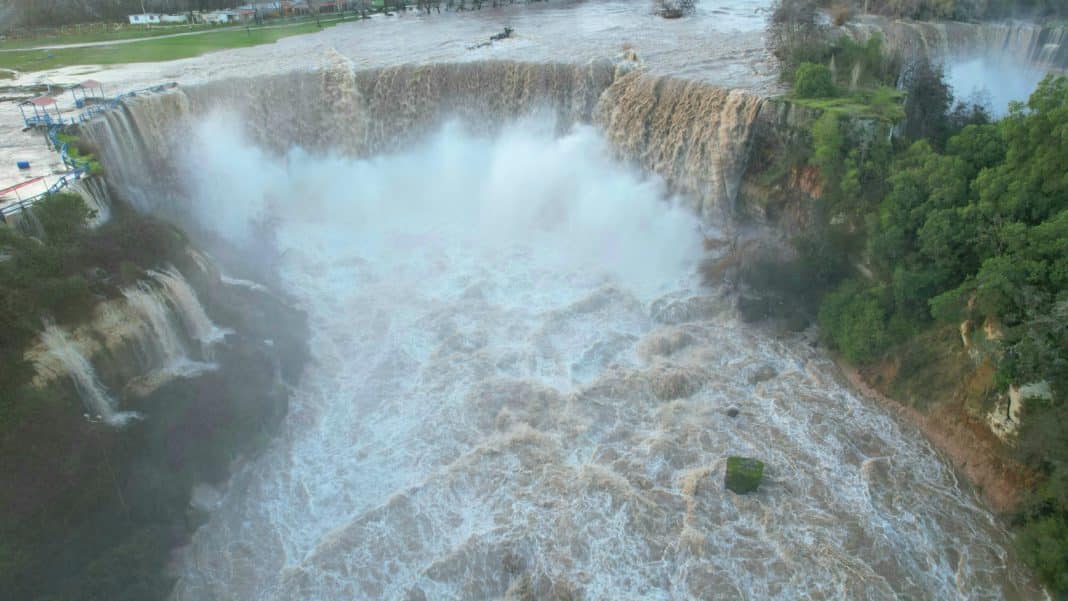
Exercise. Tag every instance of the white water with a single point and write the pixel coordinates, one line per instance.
(194, 318)
(94, 192)
(994, 81)
(518, 385)
(95, 396)
(160, 337)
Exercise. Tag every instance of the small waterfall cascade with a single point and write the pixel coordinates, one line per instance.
(28, 223)
(97, 401)
(192, 314)
(160, 338)
(94, 192)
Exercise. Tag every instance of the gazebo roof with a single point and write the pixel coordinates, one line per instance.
(89, 83)
(41, 101)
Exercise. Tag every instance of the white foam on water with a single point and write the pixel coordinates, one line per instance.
(497, 401)
(997, 82)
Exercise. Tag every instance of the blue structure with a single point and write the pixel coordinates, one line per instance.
(87, 92)
(40, 115)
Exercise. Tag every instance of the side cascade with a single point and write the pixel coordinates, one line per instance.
(94, 192)
(196, 321)
(94, 395)
(160, 324)
(171, 313)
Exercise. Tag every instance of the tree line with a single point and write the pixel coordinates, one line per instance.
(953, 220)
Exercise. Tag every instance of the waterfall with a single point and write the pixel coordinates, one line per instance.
(194, 318)
(94, 192)
(93, 394)
(695, 135)
(27, 222)
(160, 338)
(1034, 45)
(135, 143)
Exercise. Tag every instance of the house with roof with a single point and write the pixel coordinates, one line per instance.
(145, 19)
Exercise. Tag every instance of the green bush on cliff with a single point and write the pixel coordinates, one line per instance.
(814, 81)
(854, 321)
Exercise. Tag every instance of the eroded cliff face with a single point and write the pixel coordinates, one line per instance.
(161, 388)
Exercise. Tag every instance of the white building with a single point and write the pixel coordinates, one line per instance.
(220, 16)
(276, 7)
(145, 19)
(174, 19)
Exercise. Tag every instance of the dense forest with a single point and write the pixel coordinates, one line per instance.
(936, 226)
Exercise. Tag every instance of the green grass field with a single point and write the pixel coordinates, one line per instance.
(126, 33)
(154, 50)
(883, 103)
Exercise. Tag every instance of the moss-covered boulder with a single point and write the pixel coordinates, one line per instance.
(743, 474)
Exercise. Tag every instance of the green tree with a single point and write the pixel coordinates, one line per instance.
(814, 81)
(854, 321)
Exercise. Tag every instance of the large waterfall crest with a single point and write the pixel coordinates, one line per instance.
(694, 135)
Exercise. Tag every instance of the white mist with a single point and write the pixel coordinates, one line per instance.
(496, 401)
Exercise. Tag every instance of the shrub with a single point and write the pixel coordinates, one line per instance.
(854, 322)
(814, 81)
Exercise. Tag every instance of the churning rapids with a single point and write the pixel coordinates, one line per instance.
(519, 385)
(519, 388)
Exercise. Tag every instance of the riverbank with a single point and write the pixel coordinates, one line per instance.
(968, 445)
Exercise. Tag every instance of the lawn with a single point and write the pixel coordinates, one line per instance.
(882, 103)
(153, 50)
(123, 32)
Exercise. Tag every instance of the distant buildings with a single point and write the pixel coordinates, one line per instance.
(157, 19)
(145, 19)
(247, 12)
(219, 17)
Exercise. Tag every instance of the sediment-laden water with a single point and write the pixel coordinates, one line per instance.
(519, 389)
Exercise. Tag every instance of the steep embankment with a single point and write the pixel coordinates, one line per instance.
(136, 374)
(942, 382)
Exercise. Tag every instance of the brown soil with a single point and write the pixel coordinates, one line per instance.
(968, 444)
